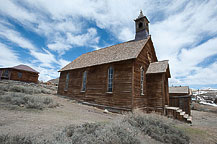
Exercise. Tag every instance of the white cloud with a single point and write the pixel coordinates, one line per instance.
(16, 38)
(63, 63)
(84, 39)
(126, 34)
(45, 58)
(178, 28)
(8, 57)
(12, 9)
(59, 46)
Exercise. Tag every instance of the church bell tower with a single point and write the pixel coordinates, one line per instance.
(142, 28)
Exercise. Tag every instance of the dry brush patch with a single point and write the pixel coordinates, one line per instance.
(28, 101)
(131, 129)
(26, 95)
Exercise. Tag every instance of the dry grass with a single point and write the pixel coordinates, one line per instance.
(28, 101)
(132, 129)
(28, 95)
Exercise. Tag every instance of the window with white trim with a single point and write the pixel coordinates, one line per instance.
(142, 80)
(110, 79)
(84, 81)
(67, 82)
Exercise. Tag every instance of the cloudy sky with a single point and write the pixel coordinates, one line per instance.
(48, 34)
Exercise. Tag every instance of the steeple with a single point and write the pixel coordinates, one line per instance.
(142, 29)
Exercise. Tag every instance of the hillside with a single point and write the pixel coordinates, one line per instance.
(33, 113)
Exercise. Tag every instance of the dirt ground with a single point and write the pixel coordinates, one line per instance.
(203, 129)
(45, 123)
(52, 120)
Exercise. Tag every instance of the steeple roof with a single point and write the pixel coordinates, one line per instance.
(141, 15)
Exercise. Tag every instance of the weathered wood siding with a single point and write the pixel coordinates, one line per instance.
(146, 56)
(155, 90)
(26, 76)
(96, 87)
(181, 101)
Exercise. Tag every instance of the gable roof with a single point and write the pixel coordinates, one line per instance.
(115, 53)
(158, 67)
(179, 89)
(25, 68)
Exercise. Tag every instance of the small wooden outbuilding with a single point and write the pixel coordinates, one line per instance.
(180, 96)
(19, 73)
(125, 76)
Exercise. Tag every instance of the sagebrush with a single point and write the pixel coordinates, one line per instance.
(28, 101)
(132, 129)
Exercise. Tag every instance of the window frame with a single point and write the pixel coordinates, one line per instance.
(84, 82)
(4, 72)
(141, 80)
(19, 74)
(67, 82)
(110, 80)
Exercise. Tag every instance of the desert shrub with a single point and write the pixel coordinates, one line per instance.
(8, 139)
(22, 87)
(99, 133)
(157, 128)
(125, 131)
(27, 89)
(45, 91)
(4, 87)
(29, 101)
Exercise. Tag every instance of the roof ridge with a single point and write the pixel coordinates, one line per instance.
(107, 47)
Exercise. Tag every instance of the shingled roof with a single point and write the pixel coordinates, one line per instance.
(115, 53)
(158, 67)
(179, 89)
(25, 68)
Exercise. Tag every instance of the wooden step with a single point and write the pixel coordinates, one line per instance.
(186, 116)
(182, 113)
(179, 110)
(189, 118)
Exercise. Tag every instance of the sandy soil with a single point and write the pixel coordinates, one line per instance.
(46, 122)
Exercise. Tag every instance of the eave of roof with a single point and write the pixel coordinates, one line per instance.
(22, 68)
(25, 68)
(179, 89)
(158, 67)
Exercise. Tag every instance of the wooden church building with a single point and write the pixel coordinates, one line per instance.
(125, 76)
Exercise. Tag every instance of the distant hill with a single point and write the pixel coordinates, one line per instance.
(54, 81)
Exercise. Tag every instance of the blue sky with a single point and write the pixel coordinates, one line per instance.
(48, 34)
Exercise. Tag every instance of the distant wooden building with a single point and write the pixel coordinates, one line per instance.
(180, 96)
(125, 76)
(19, 73)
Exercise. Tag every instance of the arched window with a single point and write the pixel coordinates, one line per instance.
(67, 82)
(110, 79)
(142, 81)
(84, 81)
